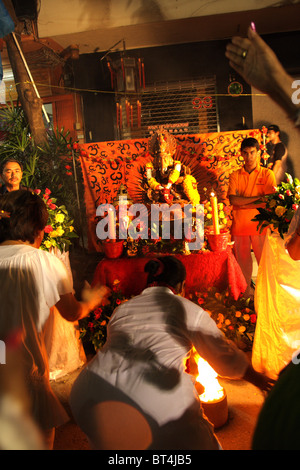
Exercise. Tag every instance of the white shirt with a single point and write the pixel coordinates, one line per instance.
(149, 339)
(31, 280)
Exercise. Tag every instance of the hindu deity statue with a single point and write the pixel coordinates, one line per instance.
(168, 180)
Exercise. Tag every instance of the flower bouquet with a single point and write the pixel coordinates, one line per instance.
(59, 229)
(235, 318)
(280, 207)
(93, 328)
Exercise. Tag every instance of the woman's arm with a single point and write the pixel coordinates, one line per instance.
(72, 310)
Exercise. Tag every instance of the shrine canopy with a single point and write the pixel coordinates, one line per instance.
(106, 165)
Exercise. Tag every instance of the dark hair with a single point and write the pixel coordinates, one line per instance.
(9, 160)
(249, 142)
(28, 216)
(273, 127)
(165, 270)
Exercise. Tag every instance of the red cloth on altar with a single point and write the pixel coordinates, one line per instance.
(204, 270)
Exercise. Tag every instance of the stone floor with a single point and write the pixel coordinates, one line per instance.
(244, 404)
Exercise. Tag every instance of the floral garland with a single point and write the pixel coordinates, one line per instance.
(59, 229)
(190, 189)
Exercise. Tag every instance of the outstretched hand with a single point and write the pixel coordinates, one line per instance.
(260, 381)
(95, 296)
(254, 60)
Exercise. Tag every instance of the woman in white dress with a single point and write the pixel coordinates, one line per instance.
(135, 393)
(32, 281)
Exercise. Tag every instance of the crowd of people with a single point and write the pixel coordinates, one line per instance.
(135, 392)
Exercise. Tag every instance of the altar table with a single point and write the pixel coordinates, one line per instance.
(205, 269)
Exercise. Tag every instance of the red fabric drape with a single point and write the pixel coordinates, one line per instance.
(204, 270)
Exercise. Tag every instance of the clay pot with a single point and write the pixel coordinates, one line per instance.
(218, 242)
(216, 411)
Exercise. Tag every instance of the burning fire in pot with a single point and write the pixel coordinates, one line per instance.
(211, 393)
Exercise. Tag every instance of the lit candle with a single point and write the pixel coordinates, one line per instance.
(117, 110)
(215, 217)
(111, 224)
(140, 73)
(143, 74)
(139, 113)
(131, 115)
(127, 112)
(121, 117)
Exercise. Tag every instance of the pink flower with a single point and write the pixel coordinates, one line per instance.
(37, 191)
(295, 207)
(52, 206)
(69, 173)
(281, 196)
(68, 167)
(48, 229)
(47, 191)
(288, 193)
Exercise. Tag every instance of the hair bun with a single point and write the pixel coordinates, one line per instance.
(153, 266)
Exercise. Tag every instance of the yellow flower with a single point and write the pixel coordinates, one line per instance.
(71, 228)
(47, 244)
(280, 210)
(238, 314)
(242, 329)
(59, 231)
(272, 203)
(246, 317)
(227, 322)
(53, 234)
(220, 317)
(59, 218)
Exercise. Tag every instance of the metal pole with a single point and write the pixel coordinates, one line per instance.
(30, 76)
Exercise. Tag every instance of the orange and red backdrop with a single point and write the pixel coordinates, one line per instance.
(105, 165)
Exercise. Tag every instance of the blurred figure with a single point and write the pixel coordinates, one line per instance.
(32, 281)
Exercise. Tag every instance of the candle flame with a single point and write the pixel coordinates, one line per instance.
(207, 377)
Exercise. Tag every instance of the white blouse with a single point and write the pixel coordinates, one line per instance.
(30, 279)
(149, 339)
